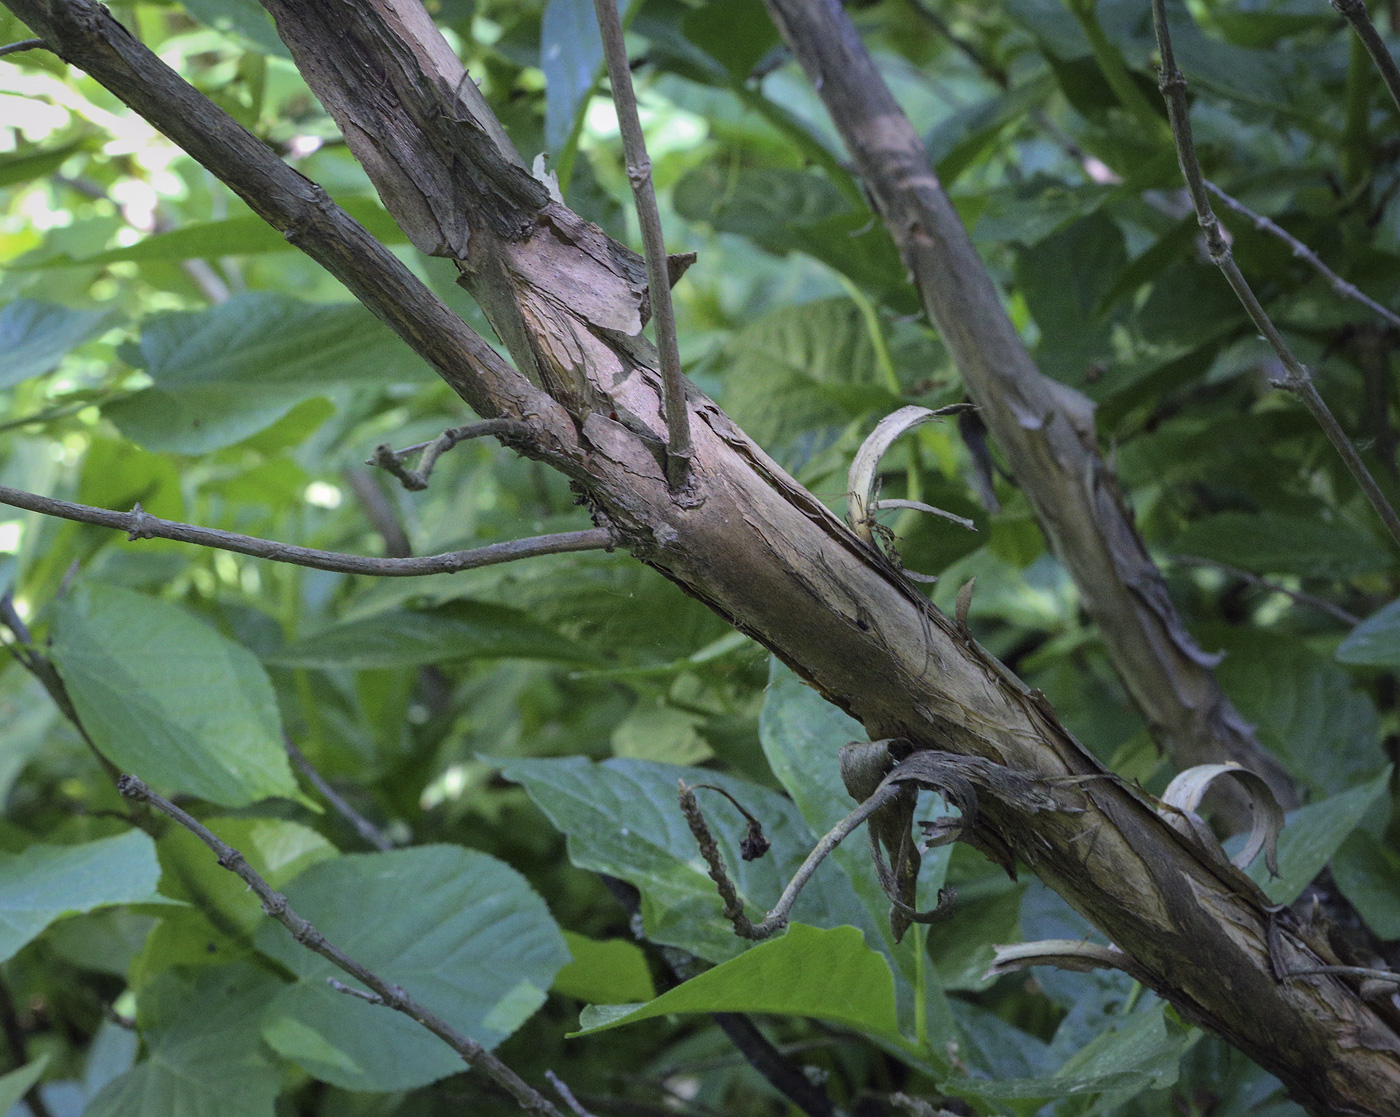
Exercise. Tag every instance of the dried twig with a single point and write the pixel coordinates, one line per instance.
(417, 479)
(1297, 378)
(140, 524)
(562, 1089)
(1351, 620)
(1306, 254)
(776, 919)
(679, 450)
(363, 826)
(380, 991)
(1354, 12)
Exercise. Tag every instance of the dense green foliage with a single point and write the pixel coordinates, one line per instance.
(520, 729)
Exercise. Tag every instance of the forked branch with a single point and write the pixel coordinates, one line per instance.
(1297, 378)
(381, 992)
(140, 524)
(416, 480)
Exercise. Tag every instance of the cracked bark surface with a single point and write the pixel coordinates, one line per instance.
(756, 547)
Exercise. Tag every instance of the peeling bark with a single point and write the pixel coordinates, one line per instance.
(757, 548)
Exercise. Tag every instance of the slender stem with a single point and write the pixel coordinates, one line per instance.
(363, 826)
(1348, 971)
(1354, 12)
(23, 44)
(760, 1054)
(417, 479)
(18, 1044)
(562, 1089)
(1306, 254)
(1298, 379)
(391, 996)
(140, 524)
(679, 448)
(1347, 618)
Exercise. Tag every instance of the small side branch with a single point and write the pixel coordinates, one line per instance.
(23, 44)
(140, 524)
(416, 480)
(679, 449)
(381, 992)
(1354, 12)
(362, 826)
(1297, 379)
(776, 919)
(1306, 254)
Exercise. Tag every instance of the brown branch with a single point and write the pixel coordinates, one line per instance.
(381, 992)
(679, 449)
(1298, 379)
(1306, 254)
(1351, 620)
(17, 1042)
(1044, 428)
(1354, 12)
(140, 524)
(417, 479)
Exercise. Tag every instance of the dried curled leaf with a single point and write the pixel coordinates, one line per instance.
(1065, 954)
(863, 481)
(1184, 795)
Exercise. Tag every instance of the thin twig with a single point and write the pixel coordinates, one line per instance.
(140, 524)
(23, 44)
(363, 826)
(1306, 254)
(391, 996)
(679, 449)
(417, 479)
(1297, 379)
(1348, 971)
(760, 1053)
(1351, 620)
(776, 919)
(1354, 12)
(562, 1089)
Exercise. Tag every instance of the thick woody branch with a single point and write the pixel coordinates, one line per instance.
(1045, 429)
(140, 524)
(678, 445)
(1297, 379)
(380, 991)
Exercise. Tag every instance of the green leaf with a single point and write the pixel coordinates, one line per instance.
(455, 631)
(46, 882)
(35, 336)
(1139, 1054)
(17, 168)
(1272, 543)
(1375, 642)
(245, 18)
(1368, 873)
(204, 1052)
(225, 373)
(829, 975)
(622, 818)
(17, 1083)
(166, 697)
(735, 33)
(1303, 706)
(1311, 835)
(656, 731)
(463, 933)
(248, 235)
(223, 915)
(612, 971)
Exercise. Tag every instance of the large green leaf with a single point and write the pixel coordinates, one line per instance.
(1311, 835)
(622, 818)
(1375, 642)
(613, 971)
(413, 637)
(225, 373)
(826, 974)
(462, 932)
(35, 336)
(1141, 1053)
(47, 882)
(1272, 543)
(1368, 873)
(17, 1083)
(204, 1052)
(167, 698)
